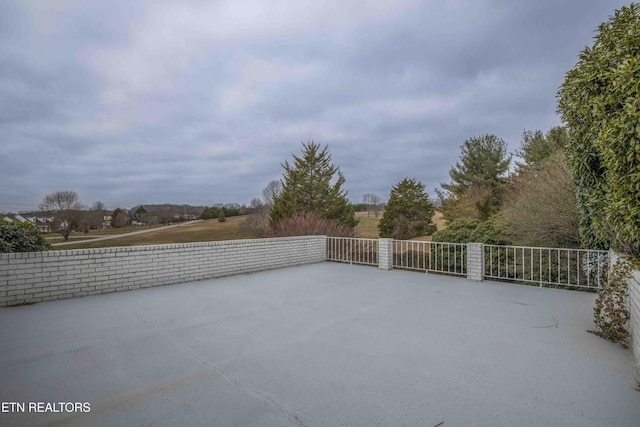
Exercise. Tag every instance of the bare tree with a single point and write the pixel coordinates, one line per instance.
(373, 203)
(541, 208)
(257, 222)
(271, 191)
(120, 218)
(94, 217)
(98, 206)
(66, 210)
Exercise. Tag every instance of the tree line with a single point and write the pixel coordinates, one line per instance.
(482, 202)
(576, 185)
(532, 205)
(64, 213)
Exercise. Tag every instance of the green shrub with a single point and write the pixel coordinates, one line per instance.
(466, 230)
(408, 212)
(611, 313)
(599, 102)
(458, 231)
(21, 237)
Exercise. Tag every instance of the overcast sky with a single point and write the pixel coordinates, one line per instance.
(200, 102)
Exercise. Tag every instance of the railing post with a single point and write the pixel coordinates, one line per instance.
(385, 254)
(475, 262)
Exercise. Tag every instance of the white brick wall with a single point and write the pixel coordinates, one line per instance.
(43, 276)
(385, 254)
(634, 321)
(475, 261)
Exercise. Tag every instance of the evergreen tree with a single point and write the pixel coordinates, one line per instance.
(313, 185)
(408, 212)
(480, 175)
(140, 214)
(537, 147)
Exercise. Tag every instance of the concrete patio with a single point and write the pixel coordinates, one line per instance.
(324, 344)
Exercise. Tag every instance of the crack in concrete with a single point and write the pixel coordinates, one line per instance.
(256, 393)
(253, 392)
(555, 325)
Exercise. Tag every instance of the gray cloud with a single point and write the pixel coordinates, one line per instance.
(200, 102)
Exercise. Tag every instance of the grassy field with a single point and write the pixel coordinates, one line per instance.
(368, 227)
(203, 231)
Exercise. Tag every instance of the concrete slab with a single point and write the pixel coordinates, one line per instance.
(318, 345)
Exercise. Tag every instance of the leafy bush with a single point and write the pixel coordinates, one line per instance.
(21, 237)
(458, 231)
(611, 313)
(599, 102)
(466, 230)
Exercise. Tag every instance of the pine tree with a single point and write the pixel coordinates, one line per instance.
(313, 185)
(408, 212)
(479, 176)
(537, 147)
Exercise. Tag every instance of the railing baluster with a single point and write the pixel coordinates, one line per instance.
(455, 258)
(568, 269)
(540, 272)
(558, 274)
(579, 267)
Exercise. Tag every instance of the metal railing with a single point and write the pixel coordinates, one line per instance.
(433, 257)
(352, 250)
(550, 267)
(554, 267)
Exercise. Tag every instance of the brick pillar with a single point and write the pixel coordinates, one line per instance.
(385, 254)
(475, 262)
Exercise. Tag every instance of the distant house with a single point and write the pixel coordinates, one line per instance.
(43, 223)
(106, 221)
